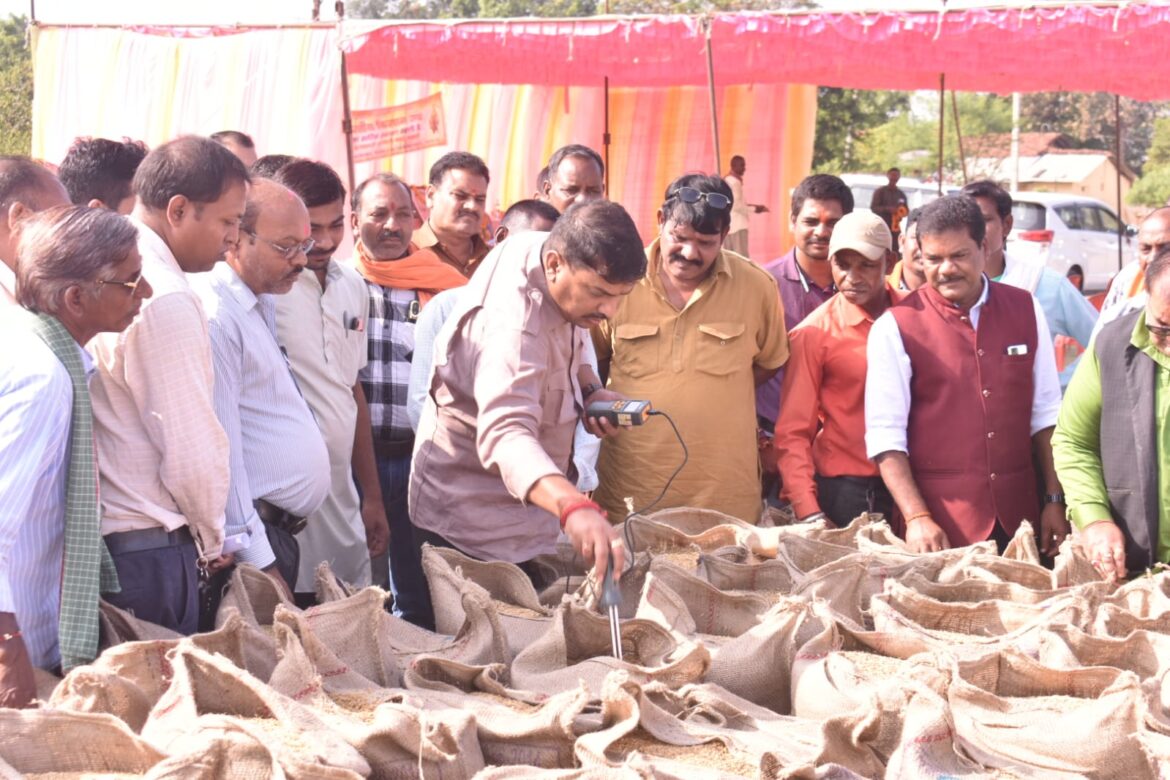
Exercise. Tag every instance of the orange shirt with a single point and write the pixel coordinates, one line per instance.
(824, 388)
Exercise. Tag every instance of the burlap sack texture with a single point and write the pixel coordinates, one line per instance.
(44, 741)
(329, 587)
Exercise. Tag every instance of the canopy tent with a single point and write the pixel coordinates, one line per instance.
(514, 90)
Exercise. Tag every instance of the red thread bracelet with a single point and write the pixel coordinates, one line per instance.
(582, 504)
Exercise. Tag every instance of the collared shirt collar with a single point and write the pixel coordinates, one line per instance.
(853, 315)
(794, 273)
(231, 281)
(721, 266)
(156, 243)
(8, 279)
(425, 238)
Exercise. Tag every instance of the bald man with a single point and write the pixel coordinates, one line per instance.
(278, 460)
(26, 187)
(1127, 292)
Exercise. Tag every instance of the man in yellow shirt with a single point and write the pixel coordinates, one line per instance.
(695, 337)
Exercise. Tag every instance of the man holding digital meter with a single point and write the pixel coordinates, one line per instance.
(492, 469)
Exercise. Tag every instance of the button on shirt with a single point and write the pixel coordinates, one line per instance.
(162, 454)
(505, 400)
(887, 389)
(277, 452)
(386, 375)
(323, 333)
(697, 365)
(801, 296)
(36, 400)
(821, 429)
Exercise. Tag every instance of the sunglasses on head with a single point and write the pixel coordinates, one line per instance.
(690, 195)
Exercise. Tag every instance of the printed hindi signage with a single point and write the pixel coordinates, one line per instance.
(384, 132)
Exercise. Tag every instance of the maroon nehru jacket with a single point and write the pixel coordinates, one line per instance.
(969, 430)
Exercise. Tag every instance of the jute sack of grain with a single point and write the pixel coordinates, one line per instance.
(1072, 566)
(511, 596)
(1013, 714)
(695, 520)
(254, 595)
(1110, 620)
(802, 553)
(206, 684)
(128, 679)
(576, 647)
(736, 568)
(975, 590)
(1145, 597)
(645, 533)
(706, 731)
(390, 729)
(514, 727)
(926, 746)
(1022, 547)
(848, 584)
(116, 626)
(217, 747)
(42, 741)
(329, 587)
(969, 629)
(1145, 653)
(631, 584)
(751, 642)
(540, 773)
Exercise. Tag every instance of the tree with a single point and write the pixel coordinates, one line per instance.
(16, 87)
(843, 118)
(1089, 118)
(1152, 189)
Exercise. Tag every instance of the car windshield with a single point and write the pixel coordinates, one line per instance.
(862, 195)
(1028, 216)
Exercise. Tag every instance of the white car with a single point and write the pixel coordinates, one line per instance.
(1072, 234)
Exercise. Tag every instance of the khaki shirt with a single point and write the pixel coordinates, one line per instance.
(425, 238)
(695, 365)
(503, 406)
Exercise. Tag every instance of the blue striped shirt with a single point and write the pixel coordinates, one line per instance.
(36, 399)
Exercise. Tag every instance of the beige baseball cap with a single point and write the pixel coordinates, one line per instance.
(861, 231)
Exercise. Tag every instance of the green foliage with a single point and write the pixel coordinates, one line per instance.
(1159, 151)
(1152, 189)
(844, 116)
(1089, 119)
(16, 87)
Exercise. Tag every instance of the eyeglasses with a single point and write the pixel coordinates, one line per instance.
(1158, 331)
(690, 195)
(287, 252)
(131, 285)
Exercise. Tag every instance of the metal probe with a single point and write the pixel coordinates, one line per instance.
(611, 598)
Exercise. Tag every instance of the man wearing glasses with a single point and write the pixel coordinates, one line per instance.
(279, 464)
(1110, 441)
(162, 453)
(697, 335)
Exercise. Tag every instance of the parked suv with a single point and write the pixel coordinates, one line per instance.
(1072, 234)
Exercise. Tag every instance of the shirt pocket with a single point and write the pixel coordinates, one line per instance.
(559, 406)
(635, 349)
(722, 349)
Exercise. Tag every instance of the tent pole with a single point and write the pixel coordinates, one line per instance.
(942, 119)
(959, 135)
(605, 138)
(1015, 141)
(1117, 170)
(347, 123)
(711, 88)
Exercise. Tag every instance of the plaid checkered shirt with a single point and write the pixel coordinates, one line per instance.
(386, 377)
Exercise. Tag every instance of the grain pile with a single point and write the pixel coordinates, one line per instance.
(789, 651)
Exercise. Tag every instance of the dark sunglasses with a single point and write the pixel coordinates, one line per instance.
(690, 195)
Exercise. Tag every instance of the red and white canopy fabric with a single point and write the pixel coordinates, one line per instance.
(1111, 47)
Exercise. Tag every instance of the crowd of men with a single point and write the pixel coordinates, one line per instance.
(193, 380)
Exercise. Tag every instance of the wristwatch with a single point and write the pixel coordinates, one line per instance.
(1054, 498)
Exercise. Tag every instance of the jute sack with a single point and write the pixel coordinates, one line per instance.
(390, 729)
(1145, 653)
(1014, 714)
(514, 727)
(450, 573)
(647, 534)
(206, 684)
(116, 626)
(1072, 566)
(329, 587)
(862, 525)
(848, 584)
(695, 520)
(631, 584)
(540, 773)
(736, 568)
(254, 595)
(1022, 547)
(1144, 597)
(219, 747)
(804, 554)
(752, 643)
(128, 679)
(926, 746)
(1111, 620)
(42, 741)
(706, 731)
(976, 590)
(968, 629)
(576, 648)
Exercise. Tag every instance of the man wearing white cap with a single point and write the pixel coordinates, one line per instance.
(820, 434)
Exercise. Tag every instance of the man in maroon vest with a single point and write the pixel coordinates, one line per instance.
(961, 394)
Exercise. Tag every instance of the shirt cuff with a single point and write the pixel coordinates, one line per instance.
(1084, 515)
(259, 552)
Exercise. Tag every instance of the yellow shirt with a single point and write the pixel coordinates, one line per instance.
(695, 365)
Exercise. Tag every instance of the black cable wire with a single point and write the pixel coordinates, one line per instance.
(626, 530)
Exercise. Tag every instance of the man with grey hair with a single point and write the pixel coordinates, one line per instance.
(26, 187)
(79, 274)
(279, 462)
